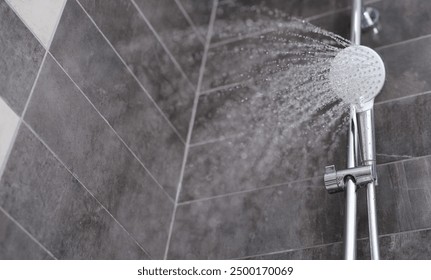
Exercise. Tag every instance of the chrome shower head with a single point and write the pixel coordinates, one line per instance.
(357, 75)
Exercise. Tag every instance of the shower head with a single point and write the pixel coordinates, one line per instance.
(357, 75)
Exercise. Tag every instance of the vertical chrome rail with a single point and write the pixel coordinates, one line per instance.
(361, 163)
(366, 122)
(367, 142)
(355, 32)
(350, 228)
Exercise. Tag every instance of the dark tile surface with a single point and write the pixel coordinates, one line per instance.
(278, 218)
(48, 202)
(21, 55)
(250, 223)
(400, 208)
(413, 245)
(256, 160)
(326, 252)
(66, 121)
(249, 138)
(402, 205)
(176, 32)
(15, 244)
(406, 246)
(402, 246)
(407, 69)
(400, 20)
(122, 24)
(402, 128)
(231, 226)
(238, 61)
(418, 173)
(199, 12)
(98, 71)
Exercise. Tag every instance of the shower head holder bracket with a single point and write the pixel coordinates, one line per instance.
(335, 181)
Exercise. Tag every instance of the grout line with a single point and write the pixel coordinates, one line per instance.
(133, 74)
(115, 132)
(404, 160)
(27, 233)
(223, 87)
(189, 134)
(402, 232)
(393, 156)
(403, 42)
(325, 14)
(332, 243)
(56, 25)
(242, 37)
(79, 181)
(216, 140)
(161, 43)
(402, 98)
(289, 250)
(287, 184)
(190, 21)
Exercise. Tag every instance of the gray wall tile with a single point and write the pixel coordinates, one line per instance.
(176, 33)
(252, 139)
(199, 12)
(231, 63)
(399, 206)
(257, 159)
(52, 206)
(21, 55)
(407, 69)
(403, 246)
(66, 121)
(418, 173)
(402, 128)
(15, 244)
(326, 252)
(407, 246)
(228, 228)
(121, 22)
(263, 221)
(98, 71)
(403, 193)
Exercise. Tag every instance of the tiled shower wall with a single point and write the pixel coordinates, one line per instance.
(102, 161)
(246, 195)
(96, 99)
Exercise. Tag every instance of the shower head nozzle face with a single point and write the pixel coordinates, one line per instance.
(357, 75)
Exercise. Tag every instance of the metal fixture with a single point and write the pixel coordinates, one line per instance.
(361, 160)
(336, 181)
(370, 19)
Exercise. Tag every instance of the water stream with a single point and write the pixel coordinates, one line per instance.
(275, 98)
